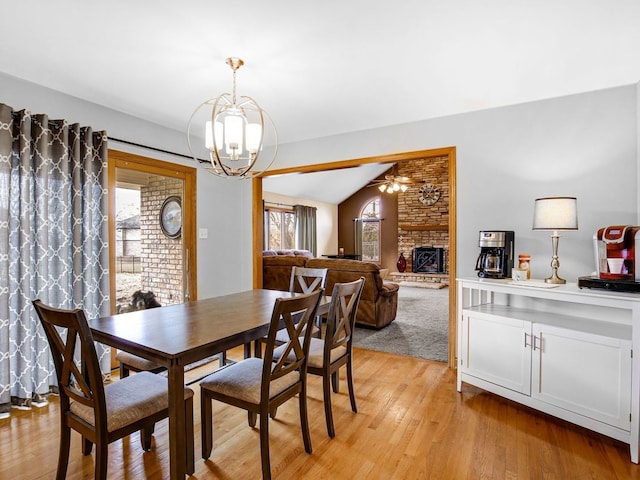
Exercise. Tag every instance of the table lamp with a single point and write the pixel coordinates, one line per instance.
(555, 213)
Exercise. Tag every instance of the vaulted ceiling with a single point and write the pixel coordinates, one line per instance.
(322, 68)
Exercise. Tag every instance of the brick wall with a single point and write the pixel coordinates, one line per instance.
(414, 216)
(161, 256)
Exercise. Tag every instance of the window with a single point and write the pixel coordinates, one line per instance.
(371, 231)
(280, 229)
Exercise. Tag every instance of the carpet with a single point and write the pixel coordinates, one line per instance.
(421, 327)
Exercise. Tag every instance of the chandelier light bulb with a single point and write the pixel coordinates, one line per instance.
(233, 126)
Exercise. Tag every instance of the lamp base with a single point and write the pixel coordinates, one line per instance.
(555, 279)
(555, 263)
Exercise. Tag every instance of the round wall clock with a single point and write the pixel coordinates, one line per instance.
(428, 194)
(171, 217)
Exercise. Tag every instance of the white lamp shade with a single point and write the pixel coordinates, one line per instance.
(208, 135)
(219, 134)
(555, 213)
(254, 137)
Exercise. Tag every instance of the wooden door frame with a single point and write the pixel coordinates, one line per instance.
(449, 152)
(130, 161)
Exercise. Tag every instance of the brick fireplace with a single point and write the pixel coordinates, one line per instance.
(421, 227)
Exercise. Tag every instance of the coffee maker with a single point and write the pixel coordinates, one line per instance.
(496, 254)
(617, 256)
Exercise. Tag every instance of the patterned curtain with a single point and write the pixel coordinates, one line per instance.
(306, 236)
(53, 242)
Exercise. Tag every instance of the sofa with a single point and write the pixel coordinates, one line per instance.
(379, 300)
(297, 253)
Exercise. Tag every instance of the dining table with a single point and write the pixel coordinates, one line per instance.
(178, 335)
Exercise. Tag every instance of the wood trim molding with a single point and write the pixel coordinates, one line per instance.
(449, 152)
(258, 226)
(453, 235)
(130, 161)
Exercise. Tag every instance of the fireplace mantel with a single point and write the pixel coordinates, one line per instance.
(435, 228)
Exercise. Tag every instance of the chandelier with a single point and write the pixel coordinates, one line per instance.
(234, 133)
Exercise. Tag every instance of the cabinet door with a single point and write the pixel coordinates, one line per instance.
(496, 349)
(585, 373)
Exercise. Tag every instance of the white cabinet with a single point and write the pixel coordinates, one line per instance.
(495, 350)
(583, 373)
(563, 351)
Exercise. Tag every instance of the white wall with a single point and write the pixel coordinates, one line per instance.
(326, 218)
(581, 145)
(224, 259)
(584, 145)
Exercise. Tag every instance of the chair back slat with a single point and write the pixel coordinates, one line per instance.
(307, 280)
(342, 314)
(295, 314)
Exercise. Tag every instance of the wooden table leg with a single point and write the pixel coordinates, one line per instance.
(176, 421)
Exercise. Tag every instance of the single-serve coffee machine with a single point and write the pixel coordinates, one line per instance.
(496, 254)
(617, 256)
(617, 252)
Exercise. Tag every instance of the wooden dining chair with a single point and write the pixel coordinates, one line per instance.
(327, 355)
(132, 363)
(102, 413)
(260, 386)
(303, 280)
(129, 362)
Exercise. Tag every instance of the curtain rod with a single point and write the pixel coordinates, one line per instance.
(276, 204)
(155, 149)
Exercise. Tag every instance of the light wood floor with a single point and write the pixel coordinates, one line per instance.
(411, 424)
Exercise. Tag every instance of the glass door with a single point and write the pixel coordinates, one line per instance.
(151, 232)
(149, 243)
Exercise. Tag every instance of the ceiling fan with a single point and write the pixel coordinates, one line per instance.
(393, 183)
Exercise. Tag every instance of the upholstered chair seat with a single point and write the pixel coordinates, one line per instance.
(130, 362)
(243, 380)
(130, 399)
(316, 353)
(137, 364)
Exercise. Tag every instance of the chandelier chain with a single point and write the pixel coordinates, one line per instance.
(233, 98)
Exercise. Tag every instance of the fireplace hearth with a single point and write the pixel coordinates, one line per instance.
(428, 260)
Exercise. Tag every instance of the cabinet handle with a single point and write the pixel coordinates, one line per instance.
(534, 343)
(525, 340)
